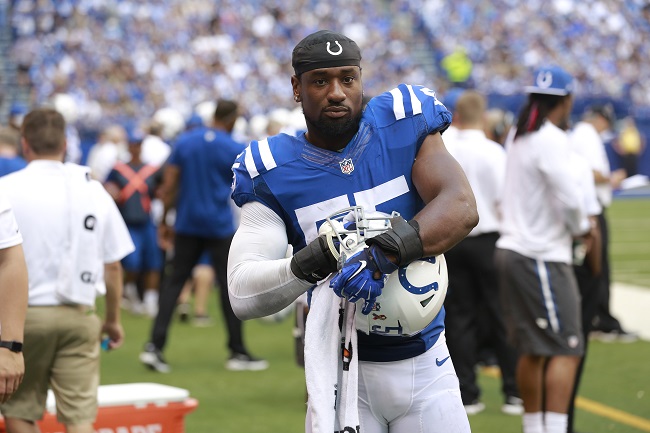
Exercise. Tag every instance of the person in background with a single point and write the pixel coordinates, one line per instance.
(196, 182)
(542, 210)
(155, 151)
(133, 186)
(199, 286)
(110, 148)
(74, 238)
(16, 116)
(13, 302)
(629, 145)
(497, 124)
(472, 301)
(10, 160)
(586, 141)
(587, 265)
(201, 282)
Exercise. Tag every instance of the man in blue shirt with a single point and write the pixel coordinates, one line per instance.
(196, 182)
(387, 157)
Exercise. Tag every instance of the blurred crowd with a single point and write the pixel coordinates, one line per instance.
(128, 58)
(603, 43)
(124, 59)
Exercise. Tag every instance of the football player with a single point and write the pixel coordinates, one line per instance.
(387, 157)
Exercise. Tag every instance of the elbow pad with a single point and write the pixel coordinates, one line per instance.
(314, 262)
(402, 239)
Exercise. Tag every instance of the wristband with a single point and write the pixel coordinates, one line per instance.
(314, 262)
(14, 346)
(402, 239)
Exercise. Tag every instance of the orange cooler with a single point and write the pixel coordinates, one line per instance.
(131, 408)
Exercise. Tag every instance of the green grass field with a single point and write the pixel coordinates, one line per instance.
(617, 375)
(629, 224)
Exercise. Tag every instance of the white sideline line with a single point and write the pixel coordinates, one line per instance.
(630, 305)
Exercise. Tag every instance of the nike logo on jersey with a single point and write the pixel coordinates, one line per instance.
(358, 271)
(442, 361)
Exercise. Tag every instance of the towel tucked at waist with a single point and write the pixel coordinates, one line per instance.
(80, 264)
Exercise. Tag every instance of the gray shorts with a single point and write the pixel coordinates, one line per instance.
(541, 305)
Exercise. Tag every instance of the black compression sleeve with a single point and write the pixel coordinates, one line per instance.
(314, 262)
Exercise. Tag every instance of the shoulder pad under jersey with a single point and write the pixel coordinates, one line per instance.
(406, 102)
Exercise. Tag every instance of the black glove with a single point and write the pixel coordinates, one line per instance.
(402, 240)
(314, 262)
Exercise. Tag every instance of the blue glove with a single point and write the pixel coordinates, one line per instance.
(355, 281)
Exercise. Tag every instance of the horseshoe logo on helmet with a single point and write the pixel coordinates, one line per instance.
(333, 52)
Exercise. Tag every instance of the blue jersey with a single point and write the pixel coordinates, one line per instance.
(303, 184)
(9, 165)
(204, 157)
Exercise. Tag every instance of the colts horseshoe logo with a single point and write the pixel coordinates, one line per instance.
(337, 52)
(544, 80)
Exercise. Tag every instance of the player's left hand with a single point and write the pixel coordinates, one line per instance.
(362, 277)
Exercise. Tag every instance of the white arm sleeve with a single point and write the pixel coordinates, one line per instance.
(260, 281)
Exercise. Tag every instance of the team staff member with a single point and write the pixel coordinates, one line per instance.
(288, 185)
(473, 293)
(196, 181)
(13, 302)
(74, 238)
(586, 140)
(133, 186)
(542, 210)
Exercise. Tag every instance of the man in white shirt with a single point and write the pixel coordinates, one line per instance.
(586, 141)
(13, 302)
(74, 238)
(110, 148)
(587, 264)
(543, 209)
(154, 150)
(473, 290)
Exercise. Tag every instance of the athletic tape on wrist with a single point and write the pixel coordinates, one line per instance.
(402, 239)
(314, 262)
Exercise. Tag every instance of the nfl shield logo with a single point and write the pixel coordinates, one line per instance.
(346, 166)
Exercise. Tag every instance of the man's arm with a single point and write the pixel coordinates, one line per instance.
(112, 324)
(448, 216)
(13, 307)
(168, 191)
(450, 212)
(260, 279)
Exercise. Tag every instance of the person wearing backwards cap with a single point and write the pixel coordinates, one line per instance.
(388, 156)
(541, 213)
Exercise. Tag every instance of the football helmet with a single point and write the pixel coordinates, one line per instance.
(411, 298)
(347, 230)
(412, 295)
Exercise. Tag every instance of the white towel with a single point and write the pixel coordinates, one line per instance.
(331, 372)
(80, 264)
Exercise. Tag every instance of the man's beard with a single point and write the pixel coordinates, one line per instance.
(334, 128)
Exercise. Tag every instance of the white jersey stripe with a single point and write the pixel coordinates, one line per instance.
(267, 157)
(370, 198)
(250, 163)
(415, 102)
(548, 296)
(398, 104)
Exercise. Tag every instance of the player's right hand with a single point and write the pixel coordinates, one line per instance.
(362, 277)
